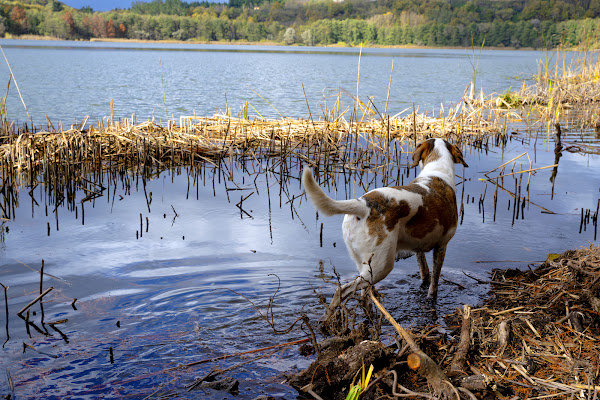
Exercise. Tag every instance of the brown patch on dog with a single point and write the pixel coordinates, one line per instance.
(456, 154)
(385, 212)
(413, 187)
(439, 208)
(423, 151)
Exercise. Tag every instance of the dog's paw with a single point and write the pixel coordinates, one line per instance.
(432, 294)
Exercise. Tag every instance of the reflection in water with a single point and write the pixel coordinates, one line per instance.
(6, 313)
(153, 257)
(557, 154)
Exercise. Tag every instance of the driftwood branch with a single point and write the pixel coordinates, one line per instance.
(460, 357)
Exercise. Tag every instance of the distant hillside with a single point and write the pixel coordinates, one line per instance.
(502, 23)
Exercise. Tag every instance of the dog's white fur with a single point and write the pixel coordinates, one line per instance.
(392, 222)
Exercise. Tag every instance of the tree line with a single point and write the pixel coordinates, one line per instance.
(508, 23)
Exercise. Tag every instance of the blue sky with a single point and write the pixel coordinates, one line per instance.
(100, 5)
(107, 5)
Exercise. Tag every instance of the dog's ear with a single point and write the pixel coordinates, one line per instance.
(457, 155)
(422, 151)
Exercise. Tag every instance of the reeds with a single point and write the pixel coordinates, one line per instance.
(563, 90)
(209, 138)
(70, 157)
(573, 81)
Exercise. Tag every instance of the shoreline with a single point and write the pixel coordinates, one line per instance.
(264, 43)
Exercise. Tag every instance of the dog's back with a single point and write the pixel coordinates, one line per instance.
(435, 220)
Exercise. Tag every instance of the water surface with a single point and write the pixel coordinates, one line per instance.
(67, 81)
(164, 270)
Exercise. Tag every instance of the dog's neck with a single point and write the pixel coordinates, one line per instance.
(442, 166)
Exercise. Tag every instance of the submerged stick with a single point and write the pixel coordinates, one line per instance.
(41, 288)
(27, 345)
(34, 301)
(42, 276)
(217, 371)
(223, 357)
(207, 360)
(6, 310)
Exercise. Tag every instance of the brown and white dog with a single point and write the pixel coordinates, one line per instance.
(392, 222)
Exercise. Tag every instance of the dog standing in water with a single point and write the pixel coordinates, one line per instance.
(390, 222)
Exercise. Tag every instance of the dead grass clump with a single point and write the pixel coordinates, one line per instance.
(539, 333)
(572, 82)
(208, 138)
(536, 337)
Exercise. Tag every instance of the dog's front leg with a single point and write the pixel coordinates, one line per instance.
(423, 267)
(439, 253)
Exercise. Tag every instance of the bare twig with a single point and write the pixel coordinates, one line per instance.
(34, 301)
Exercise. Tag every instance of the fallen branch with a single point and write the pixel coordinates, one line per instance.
(417, 360)
(527, 170)
(213, 373)
(460, 356)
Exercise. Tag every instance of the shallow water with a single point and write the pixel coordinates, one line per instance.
(181, 291)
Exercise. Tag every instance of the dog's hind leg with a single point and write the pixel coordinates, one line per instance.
(439, 253)
(423, 267)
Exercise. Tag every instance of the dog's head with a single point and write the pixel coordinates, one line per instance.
(432, 149)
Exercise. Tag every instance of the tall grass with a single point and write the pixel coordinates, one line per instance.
(565, 82)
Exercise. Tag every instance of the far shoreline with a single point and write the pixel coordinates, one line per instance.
(268, 43)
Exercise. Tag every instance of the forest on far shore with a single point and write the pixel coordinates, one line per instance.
(497, 23)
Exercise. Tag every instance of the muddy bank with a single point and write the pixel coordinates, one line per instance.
(535, 336)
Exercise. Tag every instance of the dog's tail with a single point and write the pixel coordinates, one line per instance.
(326, 204)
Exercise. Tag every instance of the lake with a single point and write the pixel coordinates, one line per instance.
(168, 271)
(67, 81)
